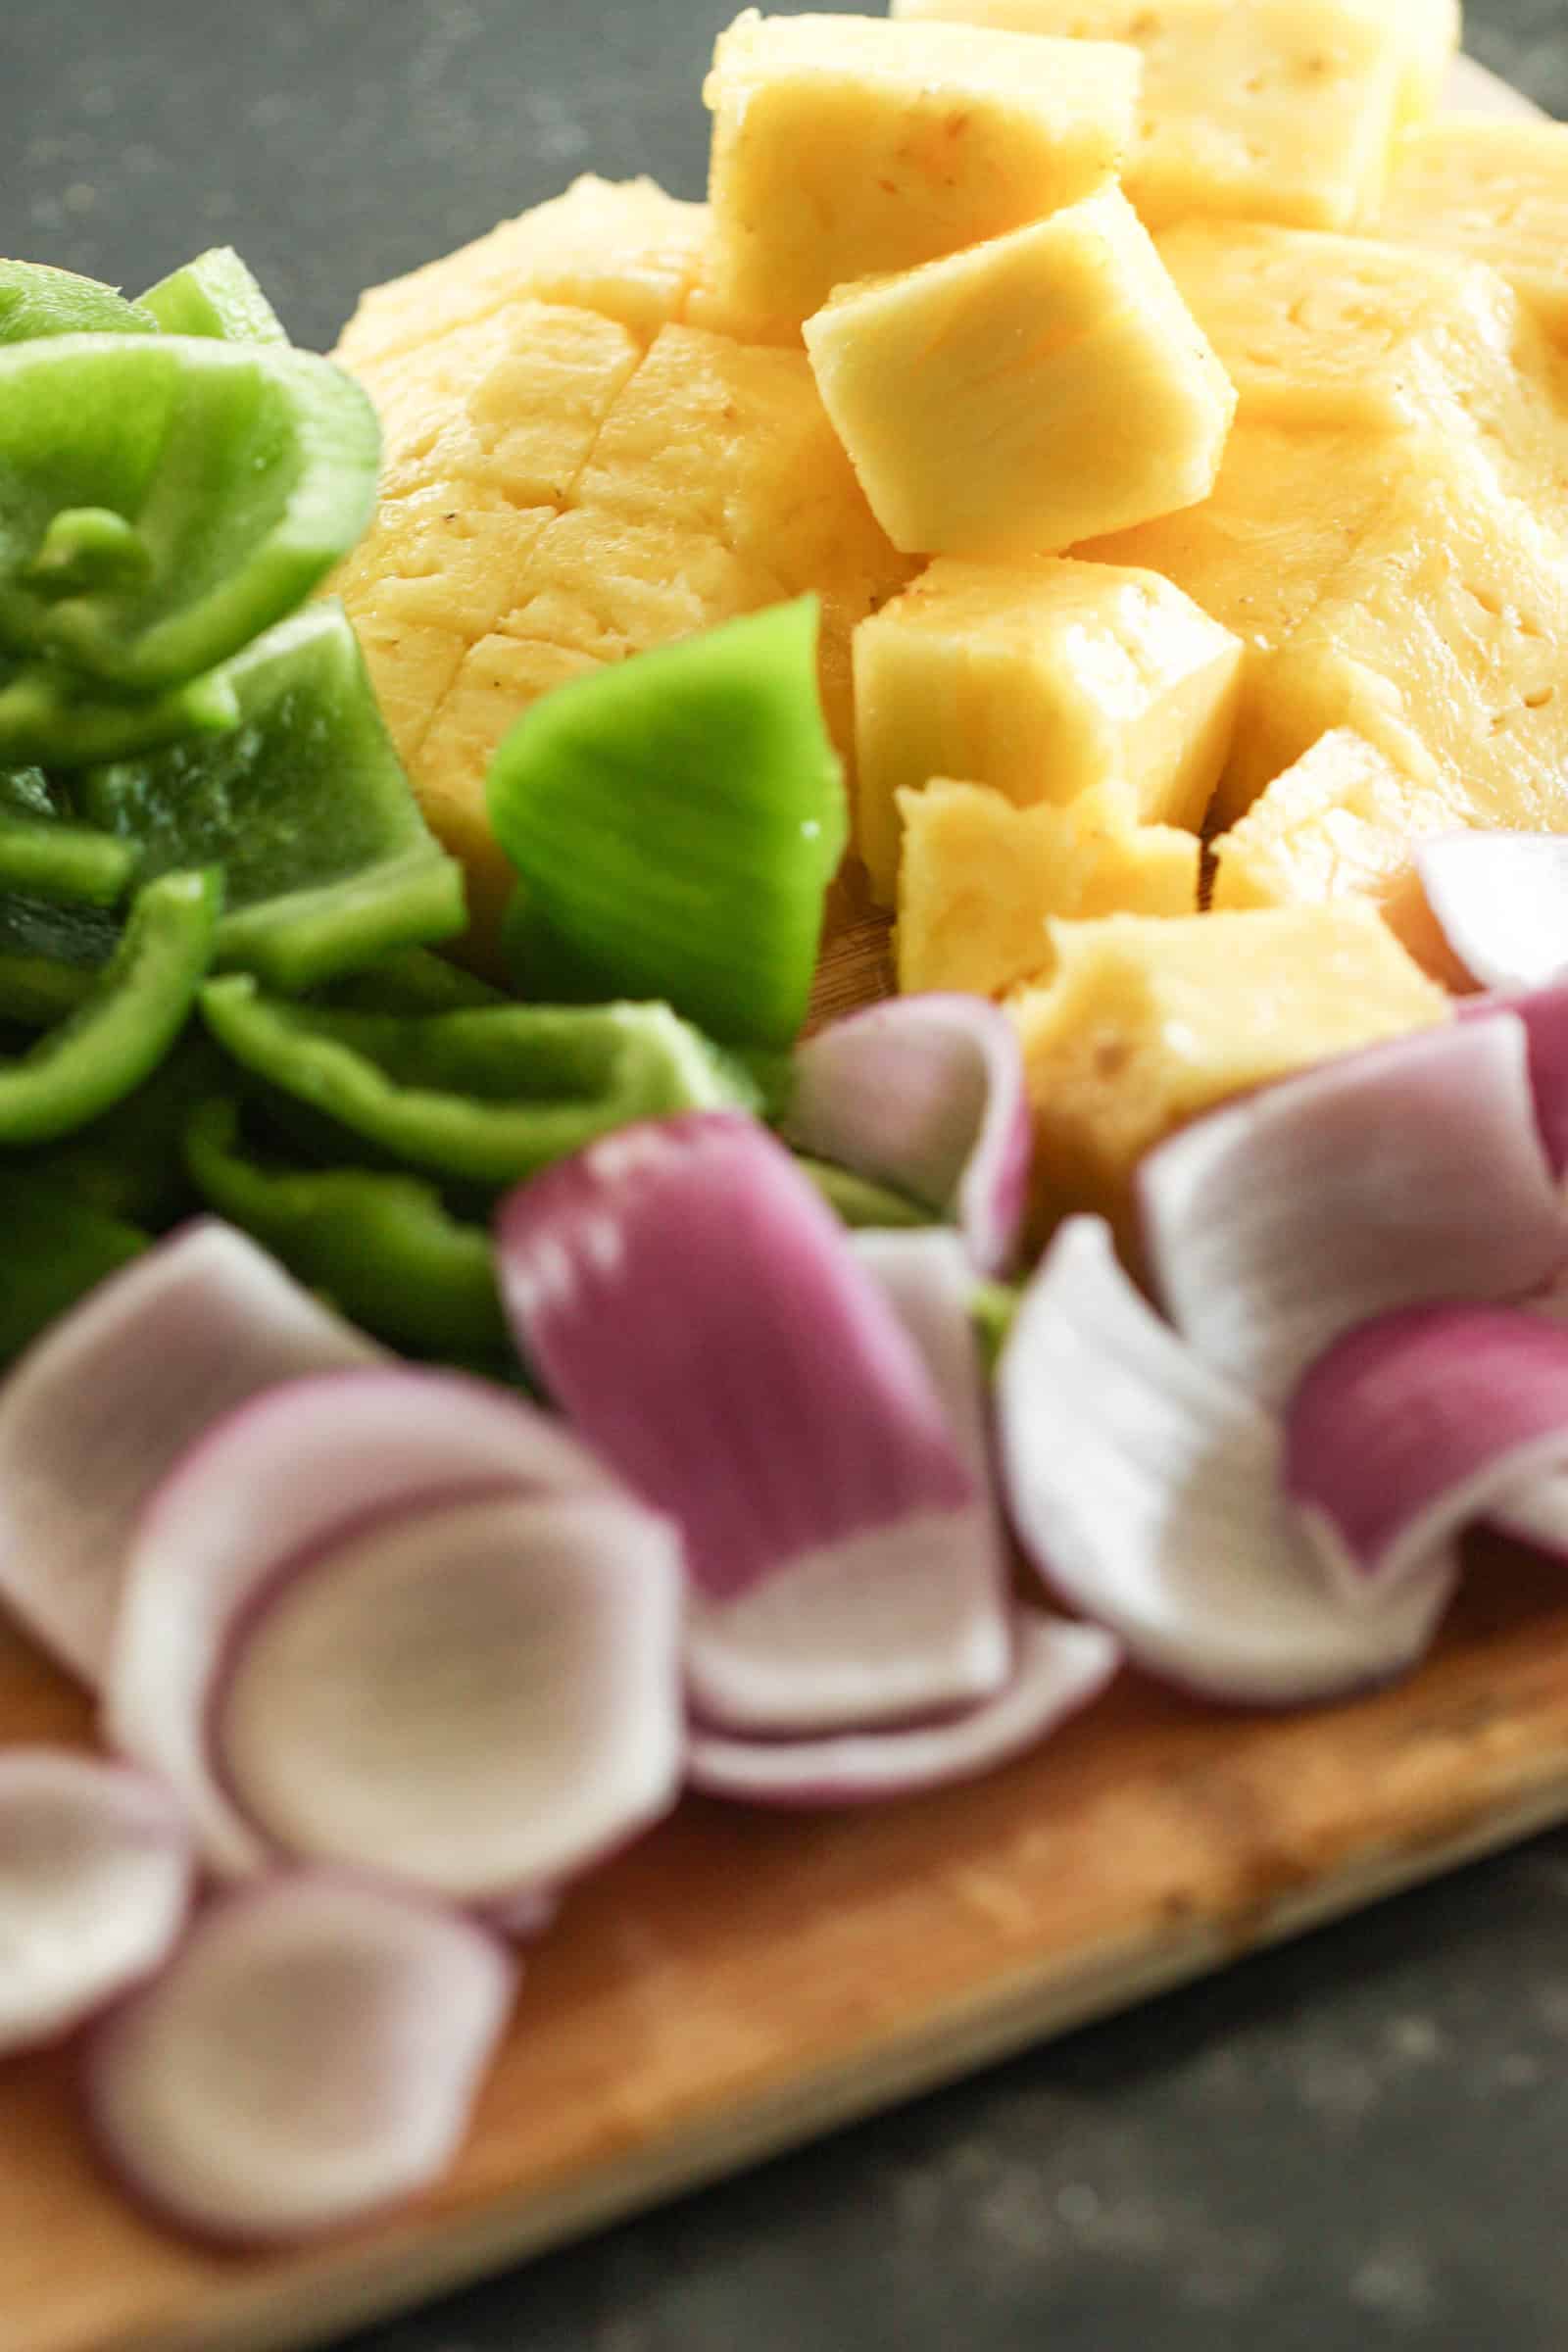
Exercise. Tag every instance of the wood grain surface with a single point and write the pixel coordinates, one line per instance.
(740, 1982)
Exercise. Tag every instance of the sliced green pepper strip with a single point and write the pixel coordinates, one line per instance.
(51, 953)
(57, 1251)
(35, 300)
(43, 850)
(410, 980)
(858, 1201)
(329, 862)
(213, 295)
(51, 713)
(164, 499)
(130, 1163)
(121, 1030)
(488, 1097)
(382, 1247)
(675, 820)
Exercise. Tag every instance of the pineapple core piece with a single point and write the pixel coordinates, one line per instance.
(1028, 393)
(1342, 823)
(1495, 190)
(1263, 109)
(1041, 680)
(980, 877)
(1148, 1023)
(844, 146)
(1441, 643)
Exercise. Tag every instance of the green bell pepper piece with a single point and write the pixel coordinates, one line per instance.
(382, 1247)
(213, 295)
(35, 300)
(51, 713)
(860, 1203)
(57, 1251)
(410, 980)
(51, 953)
(130, 1163)
(43, 850)
(164, 499)
(488, 1097)
(125, 1024)
(328, 860)
(675, 820)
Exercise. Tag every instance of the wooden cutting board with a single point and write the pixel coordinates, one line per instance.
(741, 1982)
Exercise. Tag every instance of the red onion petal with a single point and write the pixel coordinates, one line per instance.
(95, 1881)
(1407, 1173)
(1501, 902)
(1146, 1490)
(101, 1405)
(309, 2057)
(1417, 1425)
(1059, 1669)
(271, 1482)
(926, 1094)
(691, 1302)
(480, 1699)
(1544, 1014)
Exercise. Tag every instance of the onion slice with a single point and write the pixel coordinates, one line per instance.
(95, 1880)
(1544, 1014)
(101, 1405)
(284, 1477)
(480, 1699)
(1148, 1491)
(309, 2057)
(1419, 1424)
(1059, 1669)
(1501, 902)
(1410, 1172)
(926, 1094)
(691, 1302)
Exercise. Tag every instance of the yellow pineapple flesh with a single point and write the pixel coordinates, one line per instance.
(1497, 191)
(980, 878)
(1025, 394)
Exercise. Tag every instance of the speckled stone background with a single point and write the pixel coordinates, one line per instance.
(1355, 2144)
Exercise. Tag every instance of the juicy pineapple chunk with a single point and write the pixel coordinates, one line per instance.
(622, 249)
(1043, 681)
(1264, 110)
(1025, 394)
(1495, 190)
(1441, 643)
(1342, 823)
(844, 146)
(979, 879)
(1147, 1022)
(1432, 31)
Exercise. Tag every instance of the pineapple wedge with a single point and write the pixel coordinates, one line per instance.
(1043, 681)
(1264, 110)
(980, 878)
(1441, 641)
(1148, 1023)
(1497, 191)
(1031, 392)
(844, 146)
(1342, 823)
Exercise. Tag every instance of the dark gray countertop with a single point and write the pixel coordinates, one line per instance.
(1360, 2143)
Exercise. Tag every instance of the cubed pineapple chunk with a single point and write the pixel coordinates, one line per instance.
(1148, 1023)
(1041, 680)
(1028, 393)
(980, 878)
(1342, 823)
(1495, 190)
(1432, 31)
(846, 146)
(1265, 110)
(622, 249)
(1441, 643)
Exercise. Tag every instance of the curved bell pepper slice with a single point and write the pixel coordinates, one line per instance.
(120, 1033)
(37, 300)
(488, 1097)
(215, 295)
(164, 499)
(383, 1248)
(53, 716)
(41, 849)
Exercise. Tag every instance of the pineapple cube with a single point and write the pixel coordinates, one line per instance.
(622, 249)
(1026, 394)
(1495, 190)
(844, 146)
(1432, 31)
(980, 877)
(1147, 1023)
(1043, 681)
(1441, 643)
(1342, 823)
(1264, 110)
